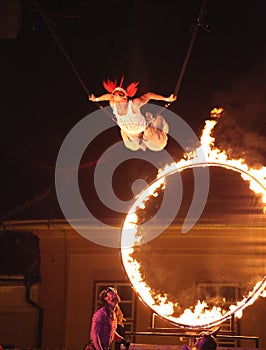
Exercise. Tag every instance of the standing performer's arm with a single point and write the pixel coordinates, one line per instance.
(95, 334)
(118, 338)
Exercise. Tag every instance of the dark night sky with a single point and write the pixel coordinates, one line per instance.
(42, 99)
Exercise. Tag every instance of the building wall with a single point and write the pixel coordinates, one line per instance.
(71, 264)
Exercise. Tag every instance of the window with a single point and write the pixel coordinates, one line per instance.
(223, 293)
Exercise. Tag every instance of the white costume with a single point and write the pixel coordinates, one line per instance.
(137, 134)
(132, 123)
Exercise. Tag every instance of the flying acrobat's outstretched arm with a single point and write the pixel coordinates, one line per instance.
(105, 97)
(153, 96)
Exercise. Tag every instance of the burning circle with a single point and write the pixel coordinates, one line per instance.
(133, 234)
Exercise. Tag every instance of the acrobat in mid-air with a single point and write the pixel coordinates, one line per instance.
(138, 131)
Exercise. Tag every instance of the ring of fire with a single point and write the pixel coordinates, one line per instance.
(130, 238)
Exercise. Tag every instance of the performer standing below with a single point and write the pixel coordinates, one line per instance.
(205, 341)
(105, 321)
(137, 131)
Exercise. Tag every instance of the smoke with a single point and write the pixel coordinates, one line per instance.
(239, 142)
(242, 130)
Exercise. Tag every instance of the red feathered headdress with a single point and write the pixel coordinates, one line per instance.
(111, 86)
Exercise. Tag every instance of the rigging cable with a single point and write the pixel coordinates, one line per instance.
(61, 47)
(195, 28)
(55, 37)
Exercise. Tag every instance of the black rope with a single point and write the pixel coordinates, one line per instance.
(61, 47)
(55, 37)
(196, 26)
(182, 72)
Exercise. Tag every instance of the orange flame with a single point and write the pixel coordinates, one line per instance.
(200, 315)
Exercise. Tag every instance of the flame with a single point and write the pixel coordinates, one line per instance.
(205, 155)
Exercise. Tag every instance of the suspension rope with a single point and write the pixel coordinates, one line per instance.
(60, 46)
(195, 27)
